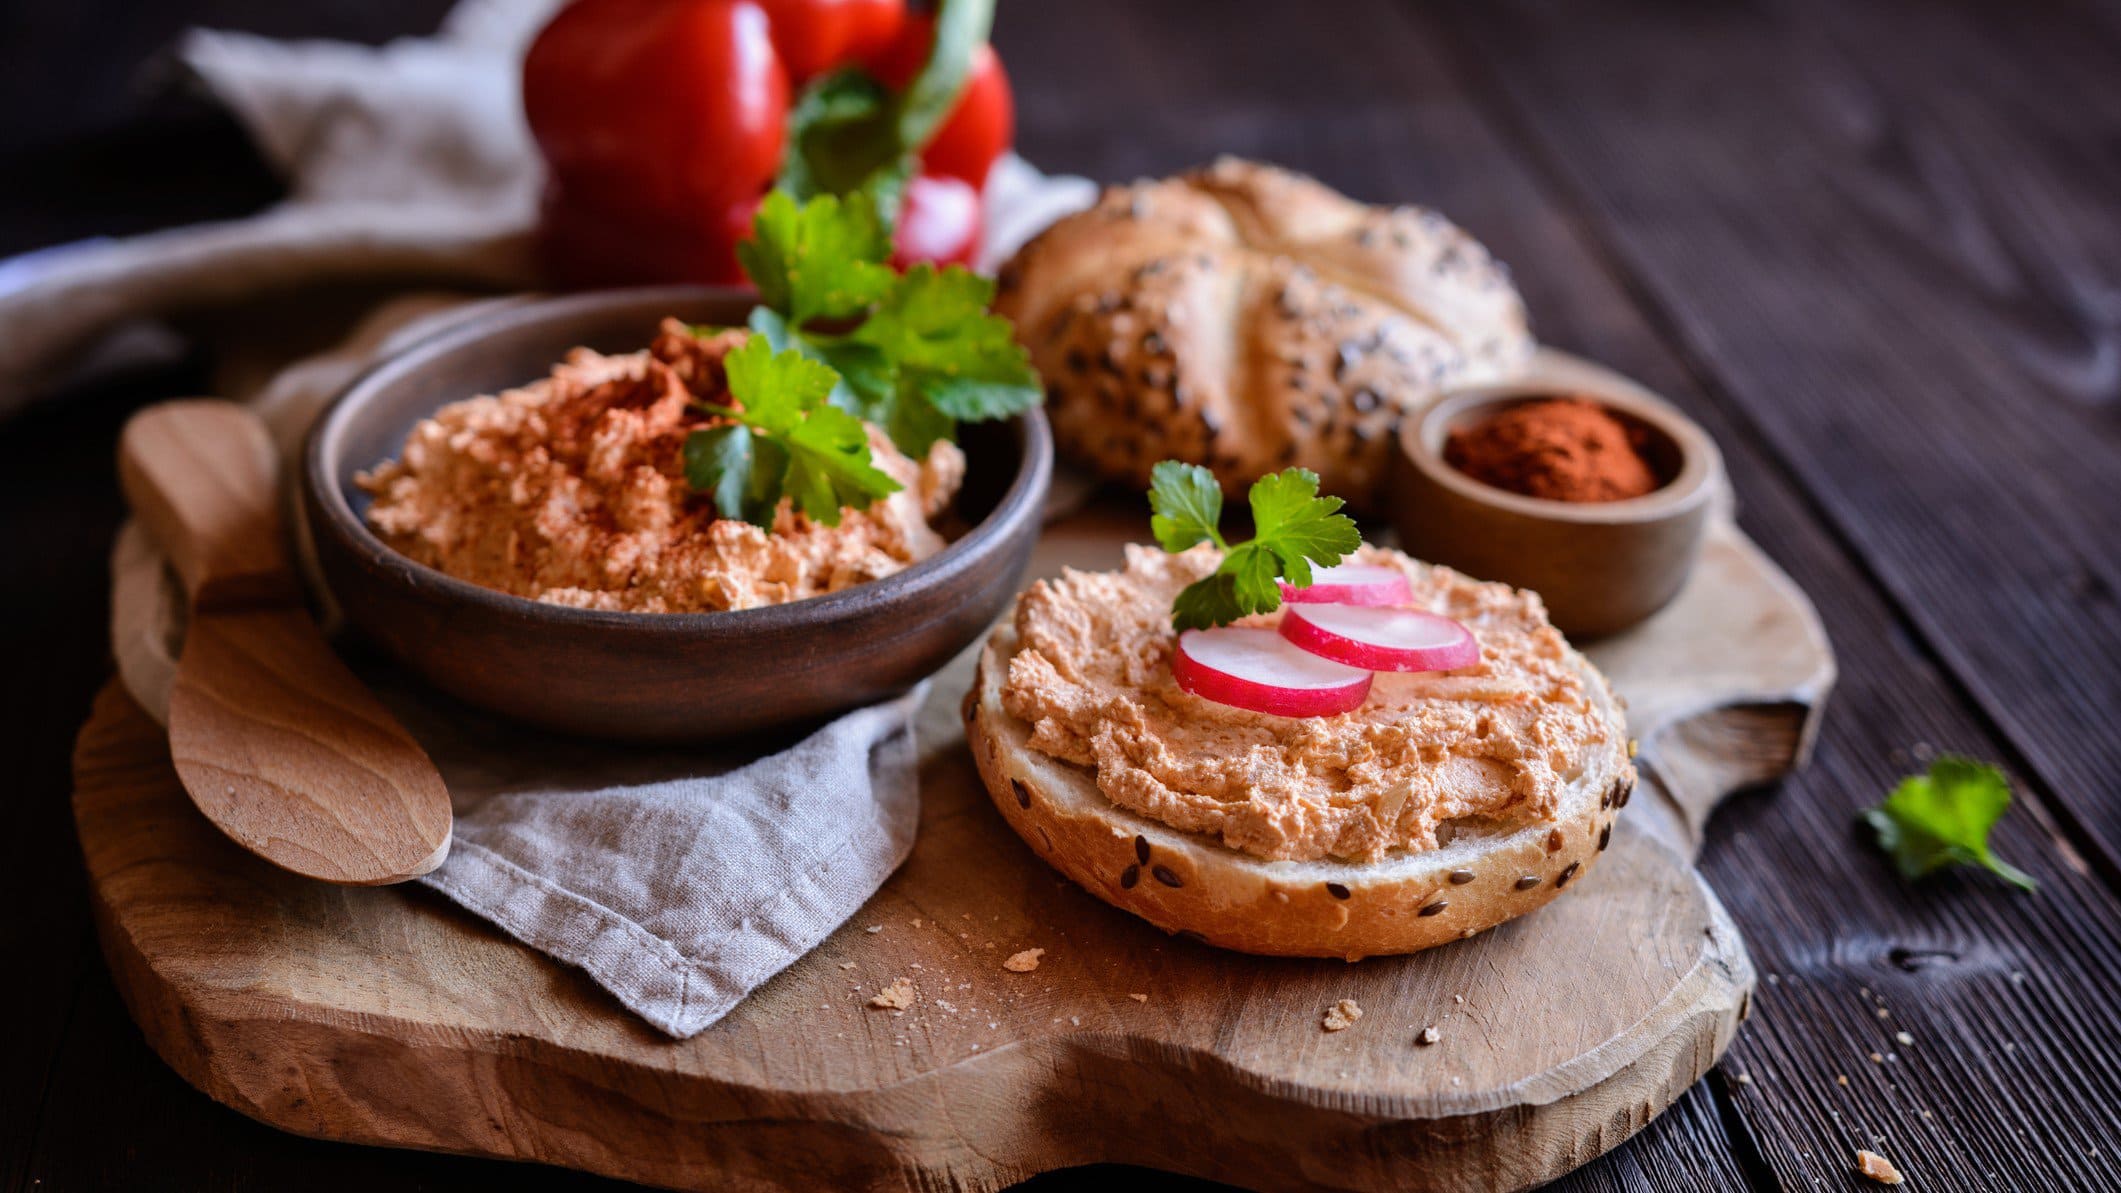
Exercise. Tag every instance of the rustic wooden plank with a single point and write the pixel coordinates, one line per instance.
(1890, 232)
(1403, 118)
(1993, 982)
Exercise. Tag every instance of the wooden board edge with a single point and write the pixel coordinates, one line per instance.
(260, 1061)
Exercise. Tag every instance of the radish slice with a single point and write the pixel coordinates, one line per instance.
(1381, 639)
(1254, 669)
(1351, 584)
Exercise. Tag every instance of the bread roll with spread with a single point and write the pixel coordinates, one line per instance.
(1446, 803)
(1247, 318)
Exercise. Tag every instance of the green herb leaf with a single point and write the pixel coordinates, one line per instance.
(950, 352)
(847, 133)
(824, 259)
(789, 442)
(740, 470)
(1298, 525)
(1293, 527)
(1189, 505)
(925, 353)
(1943, 818)
(1205, 603)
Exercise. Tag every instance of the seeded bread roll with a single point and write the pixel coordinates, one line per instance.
(1193, 884)
(1247, 318)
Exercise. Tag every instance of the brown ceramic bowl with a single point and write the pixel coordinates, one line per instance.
(1600, 566)
(648, 676)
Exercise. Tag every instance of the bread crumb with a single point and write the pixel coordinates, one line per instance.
(1745, 1079)
(1877, 1167)
(1429, 1035)
(873, 929)
(846, 965)
(916, 923)
(1877, 1059)
(1023, 962)
(1341, 1015)
(1903, 1038)
(1841, 1079)
(895, 997)
(1139, 997)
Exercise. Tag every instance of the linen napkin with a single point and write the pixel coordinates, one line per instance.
(678, 880)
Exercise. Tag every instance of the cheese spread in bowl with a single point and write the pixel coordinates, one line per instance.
(571, 490)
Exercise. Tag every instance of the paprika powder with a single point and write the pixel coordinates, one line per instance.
(1560, 449)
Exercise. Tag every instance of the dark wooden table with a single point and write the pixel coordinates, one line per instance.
(1875, 247)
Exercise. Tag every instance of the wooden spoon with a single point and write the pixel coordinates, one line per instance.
(277, 741)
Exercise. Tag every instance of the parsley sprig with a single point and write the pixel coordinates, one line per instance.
(916, 353)
(1293, 527)
(784, 440)
(840, 338)
(1943, 818)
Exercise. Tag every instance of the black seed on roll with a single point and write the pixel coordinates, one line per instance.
(1129, 876)
(1337, 890)
(1164, 875)
(1528, 882)
(1141, 849)
(1627, 792)
(1461, 877)
(1435, 908)
(1567, 873)
(1023, 793)
(1605, 837)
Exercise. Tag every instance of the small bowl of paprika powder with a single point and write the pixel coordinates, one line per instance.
(1593, 494)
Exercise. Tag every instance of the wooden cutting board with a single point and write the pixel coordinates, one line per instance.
(388, 1016)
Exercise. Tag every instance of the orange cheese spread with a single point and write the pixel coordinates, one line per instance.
(572, 490)
(1495, 742)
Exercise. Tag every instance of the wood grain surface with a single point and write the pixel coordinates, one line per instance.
(1968, 140)
(391, 1018)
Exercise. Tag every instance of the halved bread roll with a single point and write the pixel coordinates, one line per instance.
(1193, 884)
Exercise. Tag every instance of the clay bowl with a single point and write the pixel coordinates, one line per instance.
(648, 676)
(1600, 566)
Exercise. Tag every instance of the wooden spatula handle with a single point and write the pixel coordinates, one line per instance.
(204, 477)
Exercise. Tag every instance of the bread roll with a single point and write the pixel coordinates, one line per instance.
(1249, 319)
(1193, 884)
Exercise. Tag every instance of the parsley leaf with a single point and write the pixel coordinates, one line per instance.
(847, 132)
(1293, 527)
(1188, 501)
(1943, 818)
(1298, 526)
(949, 350)
(787, 442)
(923, 353)
(822, 260)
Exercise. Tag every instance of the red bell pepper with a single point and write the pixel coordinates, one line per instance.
(664, 122)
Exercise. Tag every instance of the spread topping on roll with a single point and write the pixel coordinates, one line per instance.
(1495, 742)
